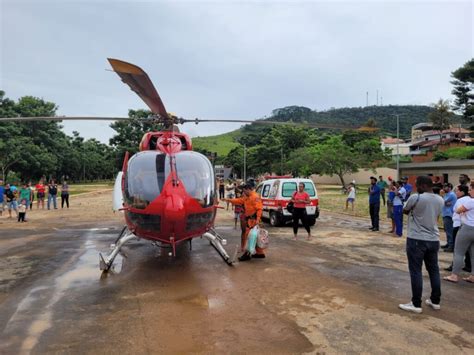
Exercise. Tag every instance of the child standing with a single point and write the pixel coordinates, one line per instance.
(238, 209)
(22, 211)
(351, 196)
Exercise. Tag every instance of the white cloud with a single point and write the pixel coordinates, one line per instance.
(236, 60)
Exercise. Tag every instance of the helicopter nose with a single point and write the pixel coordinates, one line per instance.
(175, 210)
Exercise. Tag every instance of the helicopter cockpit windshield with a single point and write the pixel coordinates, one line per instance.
(147, 172)
(145, 178)
(197, 175)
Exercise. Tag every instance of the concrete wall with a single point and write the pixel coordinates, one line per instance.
(453, 173)
(361, 177)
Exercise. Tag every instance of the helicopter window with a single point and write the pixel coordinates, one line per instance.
(146, 175)
(196, 173)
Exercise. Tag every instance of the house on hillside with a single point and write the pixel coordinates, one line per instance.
(391, 143)
(223, 172)
(425, 132)
(426, 141)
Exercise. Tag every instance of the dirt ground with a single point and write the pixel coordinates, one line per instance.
(337, 293)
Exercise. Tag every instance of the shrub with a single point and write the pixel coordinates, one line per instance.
(438, 156)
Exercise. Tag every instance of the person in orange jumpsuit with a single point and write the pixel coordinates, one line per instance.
(253, 214)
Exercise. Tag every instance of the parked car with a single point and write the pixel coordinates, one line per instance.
(277, 193)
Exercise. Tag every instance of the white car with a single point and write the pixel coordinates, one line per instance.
(277, 193)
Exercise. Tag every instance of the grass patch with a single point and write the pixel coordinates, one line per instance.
(222, 144)
(331, 198)
(77, 189)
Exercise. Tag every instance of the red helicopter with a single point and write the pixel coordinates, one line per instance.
(167, 191)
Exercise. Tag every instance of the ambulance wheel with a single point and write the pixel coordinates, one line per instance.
(274, 220)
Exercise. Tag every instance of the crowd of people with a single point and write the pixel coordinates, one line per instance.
(423, 206)
(18, 199)
(431, 200)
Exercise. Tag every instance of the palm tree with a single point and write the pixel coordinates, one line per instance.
(441, 117)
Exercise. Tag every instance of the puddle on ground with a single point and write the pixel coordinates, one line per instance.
(84, 272)
(215, 302)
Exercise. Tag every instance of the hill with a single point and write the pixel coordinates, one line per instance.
(383, 116)
(222, 144)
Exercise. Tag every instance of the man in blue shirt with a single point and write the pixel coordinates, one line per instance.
(449, 201)
(408, 187)
(374, 203)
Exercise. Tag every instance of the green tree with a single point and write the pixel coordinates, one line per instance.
(464, 90)
(369, 153)
(130, 133)
(301, 162)
(441, 117)
(29, 148)
(334, 157)
(235, 159)
(40, 148)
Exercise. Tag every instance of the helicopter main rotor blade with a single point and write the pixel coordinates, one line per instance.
(306, 124)
(140, 83)
(66, 118)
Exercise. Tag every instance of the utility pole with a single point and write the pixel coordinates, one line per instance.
(366, 99)
(245, 163)
(398, 145)
(377, 97)
(281, 160)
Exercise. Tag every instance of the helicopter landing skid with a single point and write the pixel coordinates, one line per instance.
(218, 243)
(106, 263)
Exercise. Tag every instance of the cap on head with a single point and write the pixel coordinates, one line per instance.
(373, 178)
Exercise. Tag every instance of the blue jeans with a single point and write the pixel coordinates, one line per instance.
(448, 228)
(52, 198)
(417, 252)
(398, 218)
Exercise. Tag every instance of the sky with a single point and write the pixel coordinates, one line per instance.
(231, 59)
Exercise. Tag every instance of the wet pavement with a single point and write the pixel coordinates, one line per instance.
(337, 293)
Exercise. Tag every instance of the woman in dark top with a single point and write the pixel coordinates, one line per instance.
(64, 194)
(52, 193)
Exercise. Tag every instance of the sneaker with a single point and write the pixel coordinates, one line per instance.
(409, 307)
(432, 305)
(375, 230)
(258, 256)
(371, 228)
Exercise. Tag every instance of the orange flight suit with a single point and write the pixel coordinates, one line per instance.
(253, 208)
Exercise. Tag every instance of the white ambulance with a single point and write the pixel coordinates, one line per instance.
(277, 192)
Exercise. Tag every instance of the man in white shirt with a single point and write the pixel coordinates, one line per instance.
(423, 210)
(400, 195)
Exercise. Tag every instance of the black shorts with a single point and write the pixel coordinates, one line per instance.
(40, 195)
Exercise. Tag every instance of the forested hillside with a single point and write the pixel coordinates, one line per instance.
(383, 117)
